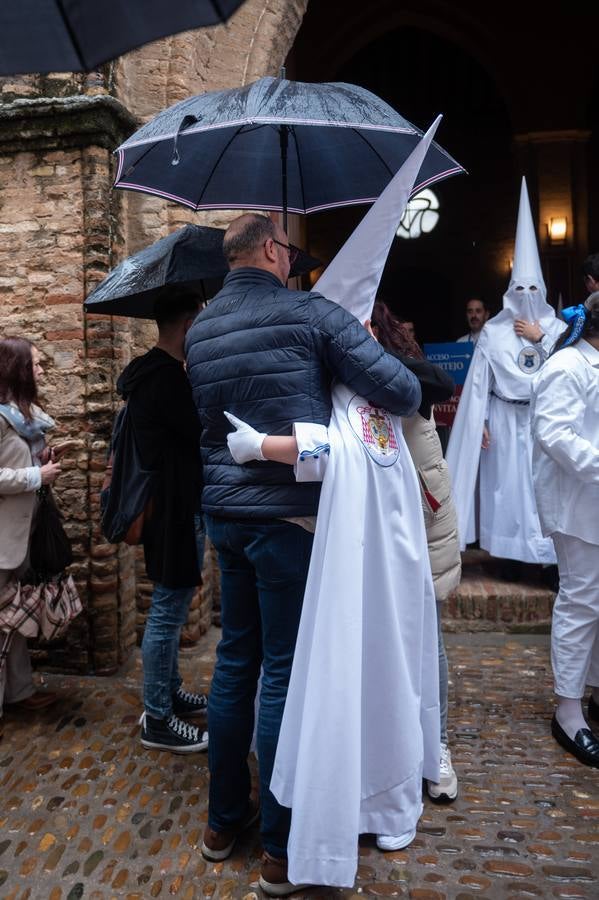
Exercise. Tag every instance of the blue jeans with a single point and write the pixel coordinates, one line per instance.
(160, 645)
(264, 566)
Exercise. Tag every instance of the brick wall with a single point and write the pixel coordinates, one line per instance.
(62, 228)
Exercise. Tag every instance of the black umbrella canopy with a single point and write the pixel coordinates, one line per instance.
(190, 259)
(79, 35)
(275, 144)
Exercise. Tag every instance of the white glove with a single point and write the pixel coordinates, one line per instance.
(245, 443)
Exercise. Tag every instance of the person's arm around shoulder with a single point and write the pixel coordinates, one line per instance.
(559, 402)
(307, 450)
(360, 362)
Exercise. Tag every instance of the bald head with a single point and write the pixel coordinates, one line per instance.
(255, 240)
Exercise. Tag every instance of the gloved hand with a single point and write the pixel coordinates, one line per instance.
(245, 443)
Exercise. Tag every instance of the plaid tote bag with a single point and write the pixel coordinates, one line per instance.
(20, 608)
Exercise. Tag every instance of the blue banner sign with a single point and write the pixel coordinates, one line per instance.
(454, 357)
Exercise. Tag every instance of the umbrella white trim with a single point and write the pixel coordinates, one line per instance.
(129, 186)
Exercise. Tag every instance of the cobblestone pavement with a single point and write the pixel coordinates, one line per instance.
(86, 812)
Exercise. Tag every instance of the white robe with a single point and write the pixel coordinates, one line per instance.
(502, 367)
(497, 389)
(361, 721)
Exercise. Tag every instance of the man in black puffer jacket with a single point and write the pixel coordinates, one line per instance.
(268, 355)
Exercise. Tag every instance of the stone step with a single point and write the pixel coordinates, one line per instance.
(485, 601)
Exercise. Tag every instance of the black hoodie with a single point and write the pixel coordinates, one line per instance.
(167, 431)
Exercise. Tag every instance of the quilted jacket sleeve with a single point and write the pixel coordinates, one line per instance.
(360, 362)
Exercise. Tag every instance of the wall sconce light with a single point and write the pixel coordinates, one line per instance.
(558, 229)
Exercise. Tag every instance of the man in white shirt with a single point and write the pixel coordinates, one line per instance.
(476, 316)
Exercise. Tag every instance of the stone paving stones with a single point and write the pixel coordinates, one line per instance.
(86, 812)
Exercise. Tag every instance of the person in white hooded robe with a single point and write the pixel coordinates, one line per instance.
(361, 723)
(494, 414)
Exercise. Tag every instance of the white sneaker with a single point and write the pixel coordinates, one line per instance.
(395, 841)
(447, 789)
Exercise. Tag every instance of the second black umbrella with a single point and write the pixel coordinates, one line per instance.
(189, 259)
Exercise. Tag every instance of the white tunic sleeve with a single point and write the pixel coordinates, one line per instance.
(313, 450)
(547, 343)
(559, 408)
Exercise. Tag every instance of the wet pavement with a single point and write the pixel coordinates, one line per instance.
(86, 812)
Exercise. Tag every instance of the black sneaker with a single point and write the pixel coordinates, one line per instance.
(189, 705)
(171, 734)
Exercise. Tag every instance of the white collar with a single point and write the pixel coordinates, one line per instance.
(590, 353)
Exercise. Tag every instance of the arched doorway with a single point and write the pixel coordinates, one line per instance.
(429, 279)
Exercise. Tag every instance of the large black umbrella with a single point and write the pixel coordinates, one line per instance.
(79, 35)
(275, 144)
(190, 259)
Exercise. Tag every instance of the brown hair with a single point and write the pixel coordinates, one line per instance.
(392, 333)
(17, 381)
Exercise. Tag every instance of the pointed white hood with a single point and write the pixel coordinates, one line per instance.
(525, 299)
(353, 277)
(526, 294)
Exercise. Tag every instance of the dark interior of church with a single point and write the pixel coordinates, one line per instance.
(515, 102)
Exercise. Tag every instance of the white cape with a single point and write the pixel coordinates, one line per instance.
(361, 721)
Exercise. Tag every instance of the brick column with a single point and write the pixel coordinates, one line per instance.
(58, 223)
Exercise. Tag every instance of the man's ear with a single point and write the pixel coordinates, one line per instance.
(270, 250)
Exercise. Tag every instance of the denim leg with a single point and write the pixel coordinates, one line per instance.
(233, 689)
(443, 676)
(200, 539)
(160, 648)
(281, 559)
(200, 535)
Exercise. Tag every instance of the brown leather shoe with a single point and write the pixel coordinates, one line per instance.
(38, 700)
(273, 877)
(218, 845)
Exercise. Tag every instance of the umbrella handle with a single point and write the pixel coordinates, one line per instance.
(186, 121)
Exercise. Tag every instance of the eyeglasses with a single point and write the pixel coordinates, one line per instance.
(291, 249)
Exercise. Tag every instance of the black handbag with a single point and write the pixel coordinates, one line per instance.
(50, 551)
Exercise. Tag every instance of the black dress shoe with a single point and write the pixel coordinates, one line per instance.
(593, 709)
(585, 746)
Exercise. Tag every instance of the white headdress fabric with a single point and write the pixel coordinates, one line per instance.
(525, 299)
(353, 276)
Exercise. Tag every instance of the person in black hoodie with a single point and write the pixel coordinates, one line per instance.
(167, 432)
